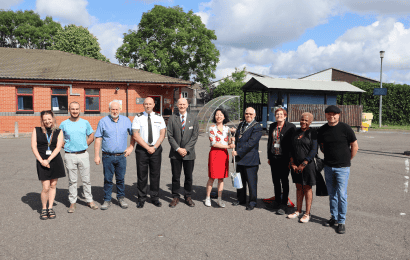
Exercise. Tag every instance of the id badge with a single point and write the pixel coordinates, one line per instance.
(48, 152)
(276, 145)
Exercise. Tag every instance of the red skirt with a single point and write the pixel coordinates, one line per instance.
(218, 163)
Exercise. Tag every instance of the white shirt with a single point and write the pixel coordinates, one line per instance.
(216, 136)
(180, 116)
(140, 122)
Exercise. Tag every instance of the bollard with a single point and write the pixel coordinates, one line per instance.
(16, 129)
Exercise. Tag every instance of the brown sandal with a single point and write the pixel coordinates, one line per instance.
(44, 214)
(51, 214)
(92, 205)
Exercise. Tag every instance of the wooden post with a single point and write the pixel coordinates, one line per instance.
(360, 99)
(244, 105)
(341, 101)
(288, 101)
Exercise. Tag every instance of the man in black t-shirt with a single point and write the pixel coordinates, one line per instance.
(339, 145)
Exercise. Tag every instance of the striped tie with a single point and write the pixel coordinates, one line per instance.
(183, 124)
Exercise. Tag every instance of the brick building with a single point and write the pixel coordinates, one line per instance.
(35, 80)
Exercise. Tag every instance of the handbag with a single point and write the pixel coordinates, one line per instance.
(321, 189)
(236, 177)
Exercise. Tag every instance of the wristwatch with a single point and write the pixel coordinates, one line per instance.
(155, 148)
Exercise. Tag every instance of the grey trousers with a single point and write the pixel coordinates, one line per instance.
(78, 163)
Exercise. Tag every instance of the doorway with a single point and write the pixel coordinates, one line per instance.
(158, 104)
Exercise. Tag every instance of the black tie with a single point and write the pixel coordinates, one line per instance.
(149, 130)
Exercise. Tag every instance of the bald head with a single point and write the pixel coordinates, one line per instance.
(250, 114)
(149, 105)
(182, 105)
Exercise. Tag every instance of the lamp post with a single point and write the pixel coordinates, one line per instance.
(381, 85)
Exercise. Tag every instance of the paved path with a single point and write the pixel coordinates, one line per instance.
(376, 225)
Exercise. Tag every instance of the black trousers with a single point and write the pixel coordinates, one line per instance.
(249, 176)
(280, 176)
(152, 163)
(176, 165)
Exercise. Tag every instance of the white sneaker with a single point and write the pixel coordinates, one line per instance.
(221, 204)
(208, 202)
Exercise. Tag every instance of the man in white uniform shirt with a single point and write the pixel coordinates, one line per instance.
(148, 131)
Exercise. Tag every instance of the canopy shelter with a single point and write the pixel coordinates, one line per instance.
(231, 104)
(299, 95)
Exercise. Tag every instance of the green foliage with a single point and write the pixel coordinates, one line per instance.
(395, 106)
(26, 30)
(78, 40)
(233, 86)
(173, 43)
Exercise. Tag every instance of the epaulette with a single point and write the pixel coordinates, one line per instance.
(140, 114)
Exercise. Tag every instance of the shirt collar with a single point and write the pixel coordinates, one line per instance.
(112, 119)
(180, 115)
(151, 114)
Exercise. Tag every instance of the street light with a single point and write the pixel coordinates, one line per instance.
(381, 85)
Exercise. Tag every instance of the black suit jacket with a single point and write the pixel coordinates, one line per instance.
(285, 139)
(247, 146)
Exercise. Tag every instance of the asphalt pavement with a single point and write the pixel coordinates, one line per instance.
(377, 224)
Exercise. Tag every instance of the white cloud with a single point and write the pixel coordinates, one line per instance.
(395, 7)
(6, 4)
(66, 11)
(356, 51)
(110, 37)
(263, 24)
(204, 16)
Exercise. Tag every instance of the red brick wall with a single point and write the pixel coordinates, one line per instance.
(42, 101)
(346, 77)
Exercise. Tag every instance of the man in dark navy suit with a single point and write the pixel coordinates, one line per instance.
(246, 155)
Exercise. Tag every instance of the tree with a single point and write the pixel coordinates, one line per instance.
(77, 40)
(26, 30)
(173, 43)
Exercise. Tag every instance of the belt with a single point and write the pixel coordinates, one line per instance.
(77, 152)
(113, 154)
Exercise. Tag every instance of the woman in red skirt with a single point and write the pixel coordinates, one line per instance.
(218, 162)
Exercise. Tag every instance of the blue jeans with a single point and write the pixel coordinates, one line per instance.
(336, 183)
(114, 165)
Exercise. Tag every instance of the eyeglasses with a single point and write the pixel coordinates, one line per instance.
(248, 114)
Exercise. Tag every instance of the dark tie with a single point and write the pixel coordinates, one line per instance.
(149, 130)
(183, 124)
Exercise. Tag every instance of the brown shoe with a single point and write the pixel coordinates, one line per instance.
(92, 205)
(189, 202)
(71, 209)
(174, 202)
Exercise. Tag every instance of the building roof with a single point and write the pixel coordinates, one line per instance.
(340, 71)
(265, 84)
(58, 65)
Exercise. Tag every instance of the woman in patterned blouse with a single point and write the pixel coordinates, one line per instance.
(218, 162)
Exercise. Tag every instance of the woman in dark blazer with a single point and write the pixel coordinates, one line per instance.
(279, 148)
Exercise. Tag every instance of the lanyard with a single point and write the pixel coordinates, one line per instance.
(49, 139)
(278, 131)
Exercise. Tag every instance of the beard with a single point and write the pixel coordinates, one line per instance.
(115, 117)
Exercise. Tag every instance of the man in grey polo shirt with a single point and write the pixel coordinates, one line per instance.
(78, 135)
(112, 133)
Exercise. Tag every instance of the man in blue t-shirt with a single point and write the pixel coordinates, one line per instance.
(78, 135)
(112, 133)
(339, 145)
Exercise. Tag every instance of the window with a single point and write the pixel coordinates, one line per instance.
(59, 101)
(184, 94)
(24, 99)
(92, 100)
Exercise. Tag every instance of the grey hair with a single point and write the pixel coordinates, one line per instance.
(117, 101)
(309, 115)
(254, 110)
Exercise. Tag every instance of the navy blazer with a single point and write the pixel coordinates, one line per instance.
(247, 146)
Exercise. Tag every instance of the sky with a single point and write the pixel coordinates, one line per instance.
(287, 39)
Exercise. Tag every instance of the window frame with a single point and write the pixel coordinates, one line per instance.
(99, 101)
(184, 92)
(59, 111)
(27, 95)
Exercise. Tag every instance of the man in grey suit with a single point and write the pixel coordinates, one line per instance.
(182, 132)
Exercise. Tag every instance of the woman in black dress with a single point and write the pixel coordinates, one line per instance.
(46, 143)
(304, 150)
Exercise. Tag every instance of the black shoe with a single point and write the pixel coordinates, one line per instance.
(140, 204)
(272, 205)
(282, 210)
(330, 223)
(250, 207)
(157, 203)
(237, 203)
(341, 229)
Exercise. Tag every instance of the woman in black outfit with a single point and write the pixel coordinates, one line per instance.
(279, 143)
(303, 170)
(46, 143)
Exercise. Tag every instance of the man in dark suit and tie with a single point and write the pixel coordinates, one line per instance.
(182, 133)
(247, 159)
